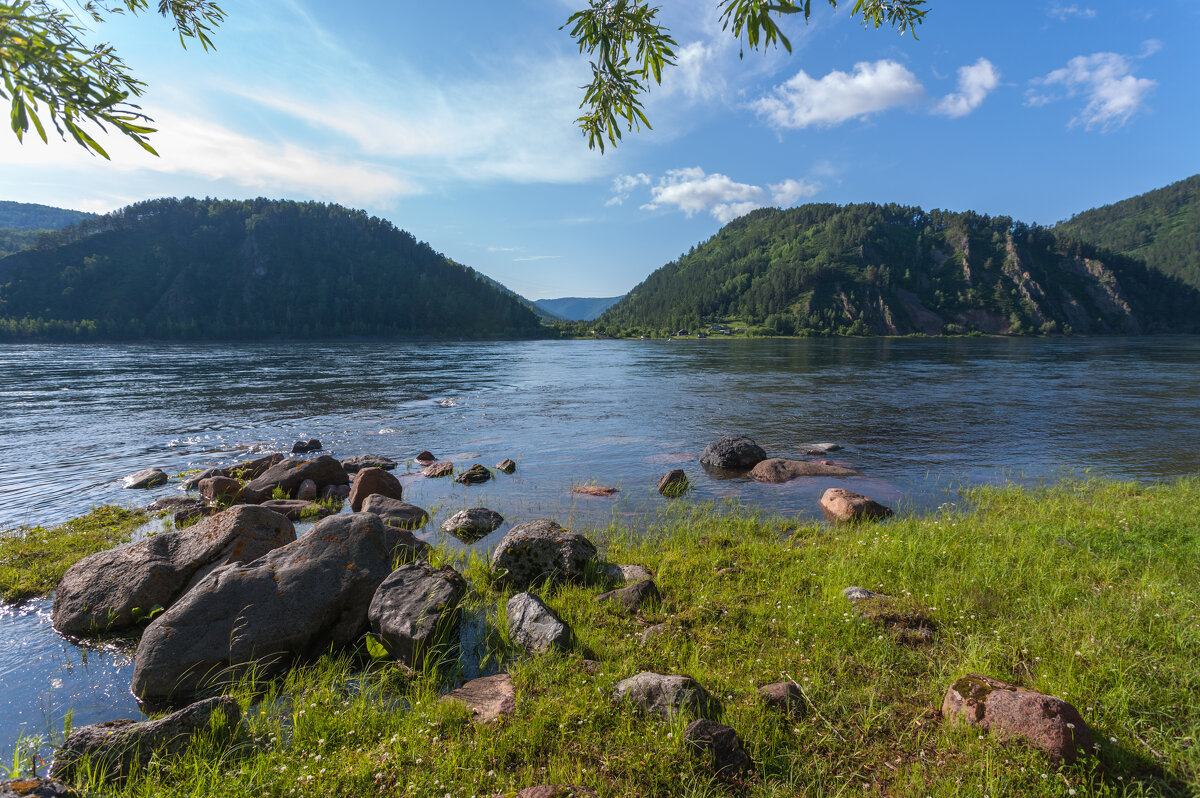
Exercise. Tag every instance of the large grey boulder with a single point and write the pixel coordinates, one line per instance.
(472, 524)
(732, 453)
(535, 627)
(120, 747)
(297, 601)
(414, 608)
(146, 478)
(100, 592)
(395, 512)
(287, 475)
(779, 469)
(665, 695)
(541, 550)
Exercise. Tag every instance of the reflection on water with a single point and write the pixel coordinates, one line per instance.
(915, 416)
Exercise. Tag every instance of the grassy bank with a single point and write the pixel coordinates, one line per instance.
(1084, 591)
(34, 559)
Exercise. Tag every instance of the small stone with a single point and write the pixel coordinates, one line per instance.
(721, 744)
(475, 475)
(594, 490)
(146, 478)
(36, 787)
(627, 574)
(785, 697)
(651, 632)
(535, 627)
(665, 695)
(818, 449)
(732, 453)
(853, 594)
(360, 461)
(1047, 723)
(632, 597)
(297, 509)
(373, 482)
(443, 468)
(472, 524)
(673, 483)
(506, 465)
(224, 490)
(489, 698)
(396, 513)
(840, 505)
(304, 447)
(307, 491)
(728, 571)
(425, 457)
(556, 791)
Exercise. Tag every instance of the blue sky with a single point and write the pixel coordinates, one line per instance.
(456, 123)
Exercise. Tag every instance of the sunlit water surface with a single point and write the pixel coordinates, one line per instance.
(917, 417)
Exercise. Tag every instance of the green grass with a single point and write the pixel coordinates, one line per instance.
(34, 559)
(1087, 591)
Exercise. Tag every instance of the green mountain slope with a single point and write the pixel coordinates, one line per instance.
(28, 216)
(259, 268)
(890, 269)
(1160, 227)
(21, 223)
(576, 308)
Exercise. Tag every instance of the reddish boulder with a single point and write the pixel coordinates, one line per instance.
(1047, 723)
(839, 504)
(373, 482)
(594, 490)
(488, 698)
(784, 697)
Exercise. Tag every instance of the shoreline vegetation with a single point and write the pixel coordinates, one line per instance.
(1081, 590)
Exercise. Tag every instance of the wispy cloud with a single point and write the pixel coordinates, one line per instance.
(1064, 12)
(1106, 80)
(693, 191)
(536, 257)
(623, 186)
(975, 82)
(804, 101)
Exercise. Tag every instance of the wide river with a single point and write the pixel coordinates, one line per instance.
(917, 416)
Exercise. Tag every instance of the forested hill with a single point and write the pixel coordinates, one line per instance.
(247, 269)
(889, 269)
(1160, 227)
(22, 223)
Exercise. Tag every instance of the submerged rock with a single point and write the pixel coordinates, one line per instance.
(818, 449)
(506, 465)
(304, 447)
(535, 627)
(373, 482)
(732, 453)
(425, 457)
(101, 592)
(301, 600)
(673, 483)
(475, 475)
(595, 490)
(842, 505)
(541, 550)
(1047, 723)
(779, 469)
(121, 747)
(147, 478)
(443, 468)
(414, 608)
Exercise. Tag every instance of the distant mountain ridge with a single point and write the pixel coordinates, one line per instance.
(188, 268)
(1160, 227)
(575, 308)
(894, 270)
(29, 216)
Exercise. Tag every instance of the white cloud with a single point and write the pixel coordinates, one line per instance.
(693, 191)
(623, 186)
(1113, 94)
(974, 84)
(1063, 13)
(536, 257)
(804, 101)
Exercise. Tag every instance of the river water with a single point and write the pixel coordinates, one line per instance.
(916, 416)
